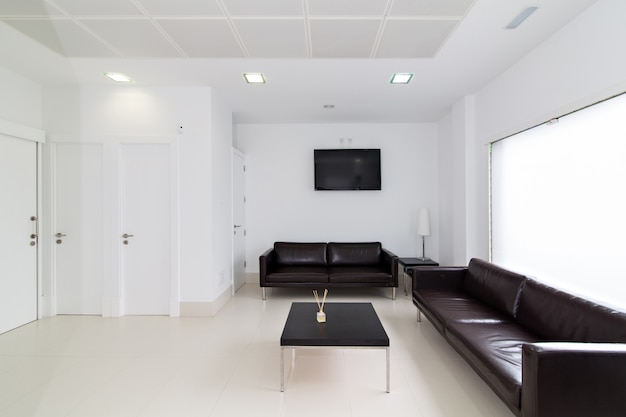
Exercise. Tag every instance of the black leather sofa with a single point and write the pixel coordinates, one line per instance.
(328, 265)
(544, 352)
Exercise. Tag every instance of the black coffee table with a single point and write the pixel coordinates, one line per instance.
(348, 325)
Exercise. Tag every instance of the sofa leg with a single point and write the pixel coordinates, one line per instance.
(393, 293)
(263, 295)
(419, 315)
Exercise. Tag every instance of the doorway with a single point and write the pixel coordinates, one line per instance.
(77, 227)
(239, 221)
(19, 223)
(145, 228)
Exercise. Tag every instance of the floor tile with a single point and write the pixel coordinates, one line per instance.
(227, 365)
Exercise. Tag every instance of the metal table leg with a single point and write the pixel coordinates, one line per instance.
(282, 369)
(388, 374)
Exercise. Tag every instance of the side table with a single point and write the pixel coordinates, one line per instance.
(409, 262)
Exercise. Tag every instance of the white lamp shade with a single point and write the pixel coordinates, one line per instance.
(423, 222)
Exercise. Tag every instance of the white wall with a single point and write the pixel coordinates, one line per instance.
(460, 168)
(446, 171)
(221, 193)
(579, 65)
(20, 99)
(281, 203)
(97, 113)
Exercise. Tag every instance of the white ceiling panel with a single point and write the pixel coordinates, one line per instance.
(181, 7)
(133, 38)
(264, 29)
(414, 38)
(27, 8)
(193, 43)
(264, 7)
(64, 37)
(203, 38)
(98, 8)
(347, 7)
(343, 39)
(268, 38)
(431, 7)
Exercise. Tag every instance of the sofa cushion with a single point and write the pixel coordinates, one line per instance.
(494, 350)
(310, 254)
(358, 274)
(360, 254)
(443, 306)
(558, 316)
(298, 274)
(495, 286)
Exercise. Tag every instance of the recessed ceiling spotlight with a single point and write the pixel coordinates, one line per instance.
(521, 17)
(118, 77)
(401, 78)
(254, 78)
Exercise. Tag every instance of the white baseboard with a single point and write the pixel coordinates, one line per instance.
(111, 307)
(205, 308)
(252, 278)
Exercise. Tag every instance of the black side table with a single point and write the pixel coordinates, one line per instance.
(409, 262)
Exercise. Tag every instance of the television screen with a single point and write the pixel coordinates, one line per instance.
(347, 169)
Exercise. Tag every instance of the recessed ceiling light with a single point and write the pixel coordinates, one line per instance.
(401, 78)
(254, 78)
(521, 17)
(118, 77)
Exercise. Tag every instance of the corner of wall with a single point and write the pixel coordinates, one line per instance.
(205, 308)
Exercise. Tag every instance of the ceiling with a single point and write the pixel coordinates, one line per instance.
(313, 52)
(237, 28)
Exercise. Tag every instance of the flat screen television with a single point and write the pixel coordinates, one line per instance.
(347, 169)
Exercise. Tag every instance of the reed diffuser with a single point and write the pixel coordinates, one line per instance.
(321, 316)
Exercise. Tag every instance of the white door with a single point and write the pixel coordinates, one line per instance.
(239, 221)
(19, 229)
(77, 226)
(144, 237)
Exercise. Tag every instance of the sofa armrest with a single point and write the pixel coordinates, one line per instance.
(265, 265)
(437, 278)
(563, 379)
(390, 263)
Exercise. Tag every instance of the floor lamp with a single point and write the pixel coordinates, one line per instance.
(423, 228)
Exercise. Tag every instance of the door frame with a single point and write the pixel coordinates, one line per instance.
(111, 219)
(50, 302)
(113, 169)
(51, 248)
(236, 154)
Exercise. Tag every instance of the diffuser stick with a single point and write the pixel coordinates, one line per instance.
(324, 299)
(317, 300)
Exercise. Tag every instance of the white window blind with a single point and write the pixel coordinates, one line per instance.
(558, 202)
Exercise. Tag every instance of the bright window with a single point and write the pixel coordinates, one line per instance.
(558, 202)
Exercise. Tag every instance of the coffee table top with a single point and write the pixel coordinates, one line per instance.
(347, 324)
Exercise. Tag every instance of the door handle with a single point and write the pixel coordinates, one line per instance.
(35, 235)
(126, 236)
(59, 236)
(236, 225)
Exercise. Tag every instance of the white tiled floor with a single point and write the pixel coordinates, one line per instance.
(229, 365)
